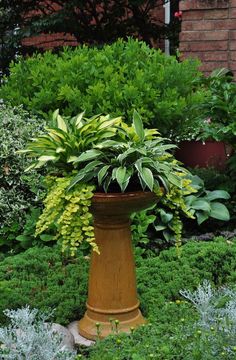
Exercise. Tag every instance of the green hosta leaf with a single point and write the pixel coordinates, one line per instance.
(219, 211)
(165, 217)
(159, 227)
(102, 173)
(201, 204)
(217, 194)
(147, 177)
(61, 123)
(201, 216)
(88, 155)
(138, 125)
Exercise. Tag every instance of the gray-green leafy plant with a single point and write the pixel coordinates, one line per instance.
(30, 337)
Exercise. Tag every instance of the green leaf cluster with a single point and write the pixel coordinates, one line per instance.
(113, 79)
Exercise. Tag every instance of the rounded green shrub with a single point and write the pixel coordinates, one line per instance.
(113, 79)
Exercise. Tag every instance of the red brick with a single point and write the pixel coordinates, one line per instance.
(233, 55)
(232, 66)
(233, 35)
(203, 4)
(232, 13)
(211, 65)
(204, 35)
(203, 46)
(208, 25)
(233, 3)
(232, 45)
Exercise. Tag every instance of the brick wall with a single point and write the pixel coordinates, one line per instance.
(208, 32)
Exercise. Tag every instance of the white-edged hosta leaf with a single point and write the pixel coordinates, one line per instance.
(138, 125)
(121, 175)
(102, 173)
(147, 177)
(175, 180)
(219, 211)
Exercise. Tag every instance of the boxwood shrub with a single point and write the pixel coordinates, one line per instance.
(112, 79)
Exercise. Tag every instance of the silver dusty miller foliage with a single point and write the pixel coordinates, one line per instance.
(29, 337)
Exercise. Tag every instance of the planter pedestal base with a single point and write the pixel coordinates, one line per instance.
(112, 293)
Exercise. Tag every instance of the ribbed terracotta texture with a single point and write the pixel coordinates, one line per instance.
(112, 293)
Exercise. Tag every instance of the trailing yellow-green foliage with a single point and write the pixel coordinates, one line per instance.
(69, 211)
(174, 200)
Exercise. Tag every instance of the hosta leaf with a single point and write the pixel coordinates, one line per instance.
(138, 125)
(102, 173)
(147, 177)
(121, 177)
(217, 194)
(201, 216)
(47, 158)
(219, 211)
(165, 217)
(60, 150)
(78, 120)
(110, 123)
(88, 155)
(55, 115)
(174, 179)
(61, 123)
(200, 204)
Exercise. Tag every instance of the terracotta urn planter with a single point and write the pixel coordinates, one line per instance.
(208, 154)
(112, 290)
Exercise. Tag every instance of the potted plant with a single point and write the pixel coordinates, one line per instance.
(103, 169)
(206, 139)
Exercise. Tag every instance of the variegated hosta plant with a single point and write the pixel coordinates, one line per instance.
(137, 159)
(69, 137)
(98, 154)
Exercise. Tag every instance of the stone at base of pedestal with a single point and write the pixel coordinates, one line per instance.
(79, 339)
(88, 329)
